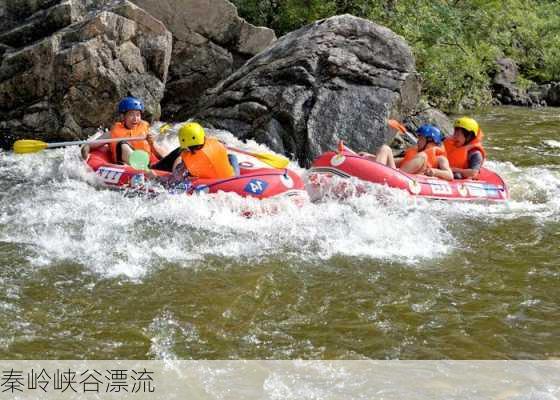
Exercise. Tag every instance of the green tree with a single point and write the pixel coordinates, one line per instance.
(456, 42)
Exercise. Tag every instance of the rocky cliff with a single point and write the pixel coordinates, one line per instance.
(337, 79)
(67, 63)
(210, 42)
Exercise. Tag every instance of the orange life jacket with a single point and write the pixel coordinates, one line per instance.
(120, 131)
(211, 161)
(459, 156)
(432, 153)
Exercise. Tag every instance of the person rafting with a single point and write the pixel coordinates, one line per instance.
(131, 125)
(200, 155)
(427, 158)
(464, 148)
(131, 109)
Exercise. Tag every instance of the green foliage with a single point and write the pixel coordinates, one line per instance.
(456, 42)
(284, 15)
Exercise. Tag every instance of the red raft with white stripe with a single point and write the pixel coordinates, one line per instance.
(489, 186)
(255, 180)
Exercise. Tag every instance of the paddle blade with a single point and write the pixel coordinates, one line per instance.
(273, 160)
(139, 159)
(402, 129)
(396, 125)
(24, 146)
(164, 128)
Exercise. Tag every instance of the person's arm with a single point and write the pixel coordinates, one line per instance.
(443, 172)
(159, 150)
(178, 161)
(179, 171)
(106, 135)
(86, 148)
(475, 163)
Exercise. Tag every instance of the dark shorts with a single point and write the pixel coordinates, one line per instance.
(119, 151)
(166, 163)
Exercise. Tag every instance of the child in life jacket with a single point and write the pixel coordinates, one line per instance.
(131, 126)
(202, 156)
(464, 149)
(427, 158)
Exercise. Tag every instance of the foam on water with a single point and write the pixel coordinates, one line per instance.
(534, 191)
(552, 143)
(53, 207)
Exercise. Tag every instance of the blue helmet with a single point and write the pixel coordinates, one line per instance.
(130, 103)
(430, 132)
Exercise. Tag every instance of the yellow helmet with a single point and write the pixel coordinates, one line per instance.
(191, 134)
(467, 124)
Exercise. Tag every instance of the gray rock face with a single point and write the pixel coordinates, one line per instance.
(506, 90)
(552, 96)
(66, 64)
(504, 86)
(339, 78)
(425, 114)
(546, 94)
(210, 41)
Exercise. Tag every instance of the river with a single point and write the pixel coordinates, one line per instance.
(89, 273)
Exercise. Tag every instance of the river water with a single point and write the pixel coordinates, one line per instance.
(89, 273)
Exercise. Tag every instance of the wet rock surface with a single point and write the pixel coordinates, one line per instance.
(66, 64)
(336, 79)
(210, 42)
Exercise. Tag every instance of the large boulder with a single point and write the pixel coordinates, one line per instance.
(426, 114)
(337, 79)
(210, 41)
(66, 64)
(547, 94)
(539, 93)
(504, 84)
(553, 94)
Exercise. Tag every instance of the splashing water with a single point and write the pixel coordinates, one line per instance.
(63, 217)
(380, 275)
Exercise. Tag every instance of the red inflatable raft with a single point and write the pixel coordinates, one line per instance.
(253, 181)
(488, 187)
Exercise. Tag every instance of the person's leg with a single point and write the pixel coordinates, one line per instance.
(166, 163)
(417, 165)
(124, 150)
(385, 156)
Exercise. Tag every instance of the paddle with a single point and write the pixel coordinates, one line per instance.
(139, 159)
(24, 146)
(273, 160)
(164, 128)
(401, 128)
